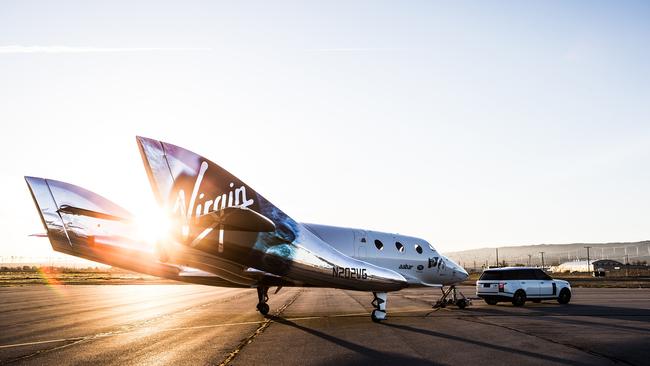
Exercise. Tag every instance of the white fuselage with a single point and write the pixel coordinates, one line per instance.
(414, 258)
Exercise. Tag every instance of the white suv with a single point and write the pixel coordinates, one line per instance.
(519, 284)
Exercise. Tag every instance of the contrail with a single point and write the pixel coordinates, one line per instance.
(354, 49)
(68, 49)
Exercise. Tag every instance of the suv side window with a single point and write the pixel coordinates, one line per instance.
(540, 275)
(515, 274)
(530, 274)
(520, 274)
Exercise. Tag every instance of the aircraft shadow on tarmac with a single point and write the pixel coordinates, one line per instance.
(491, 346)
(364, 355)
(367, 355)
(590, 318)
(560, 314)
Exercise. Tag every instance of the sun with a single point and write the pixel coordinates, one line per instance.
(152, 225)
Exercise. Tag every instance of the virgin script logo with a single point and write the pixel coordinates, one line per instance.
(199, 206)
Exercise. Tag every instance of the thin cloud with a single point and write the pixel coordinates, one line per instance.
(67, 49)
(354, 49)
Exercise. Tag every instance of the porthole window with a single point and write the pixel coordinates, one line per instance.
(418, 248)
(379, 244)
(399, 247)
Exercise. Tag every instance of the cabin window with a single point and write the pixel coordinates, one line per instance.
(399, 247)
(379, 244)
(418, 248)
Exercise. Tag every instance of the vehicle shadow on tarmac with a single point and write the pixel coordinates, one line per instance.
(550, 308)
(571, 310)
(364, 354)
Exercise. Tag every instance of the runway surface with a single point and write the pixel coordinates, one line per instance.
(186, 324)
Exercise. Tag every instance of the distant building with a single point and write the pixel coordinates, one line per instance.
(604, 267)
(597, 265)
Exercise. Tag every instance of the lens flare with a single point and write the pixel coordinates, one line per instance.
(152, 226)
(49, 279)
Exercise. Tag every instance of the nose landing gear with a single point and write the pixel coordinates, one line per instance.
(263, 297)
(379, 303)
(451, 296)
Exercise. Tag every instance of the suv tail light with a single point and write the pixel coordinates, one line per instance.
(502, 287)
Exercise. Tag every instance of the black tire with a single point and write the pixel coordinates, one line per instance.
(490, 301)
(537, 301)
(263, 308)
(564, 297)
(519, 299)
(462, 303)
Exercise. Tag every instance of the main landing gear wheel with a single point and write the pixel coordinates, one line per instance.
(379, 303)
(263, 297)
(263, 308)
(451, 296)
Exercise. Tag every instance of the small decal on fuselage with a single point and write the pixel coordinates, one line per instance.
(351, 273)
(405, 266)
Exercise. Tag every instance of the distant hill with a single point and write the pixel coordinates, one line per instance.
(553, 253)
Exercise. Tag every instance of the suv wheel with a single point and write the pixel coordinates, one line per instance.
(564, 297)
(519, 299)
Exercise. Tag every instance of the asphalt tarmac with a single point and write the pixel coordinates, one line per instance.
(187, 324)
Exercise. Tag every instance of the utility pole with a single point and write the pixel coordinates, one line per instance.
(542, 253)
(497, 256)
(529, 259)
(588, 263)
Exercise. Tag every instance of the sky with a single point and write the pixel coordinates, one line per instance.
(468, 124)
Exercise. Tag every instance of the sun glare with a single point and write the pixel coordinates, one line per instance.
(152, 226)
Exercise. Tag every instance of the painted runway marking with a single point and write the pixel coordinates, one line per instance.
(42, 342)
(211, 326)
(265, 324)
(255, 322)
